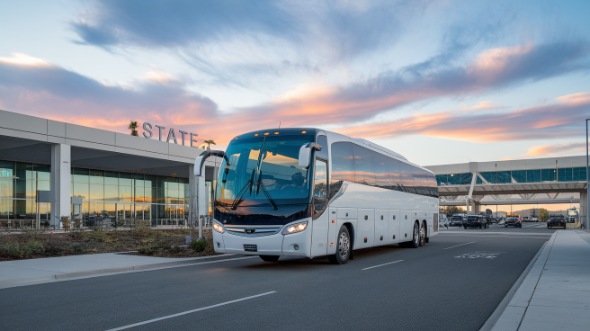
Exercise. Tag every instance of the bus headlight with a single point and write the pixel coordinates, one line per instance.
(218, 227)
(294, 228)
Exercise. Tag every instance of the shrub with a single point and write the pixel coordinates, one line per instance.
(198, 245)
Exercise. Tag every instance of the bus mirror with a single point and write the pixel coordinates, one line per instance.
(305, 153)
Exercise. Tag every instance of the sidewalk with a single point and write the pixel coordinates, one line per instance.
(51, 269)
(555, 294)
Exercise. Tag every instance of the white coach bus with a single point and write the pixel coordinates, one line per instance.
(309, 192)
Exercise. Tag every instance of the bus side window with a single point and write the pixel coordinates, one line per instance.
(320, 188)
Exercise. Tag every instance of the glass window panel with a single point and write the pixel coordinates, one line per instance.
(80, 190)
(81, 179)
(6, 188)
(364, 165)
(31, 189)
(97, 180)
(78, 171)
(533, 176)
(96, 191)
(43, 185)
(579, 174)
(519, 176)
(148, 195)
(125, 193)
(565, 174)
(111, 178)
(43, 175)
(323, 153)
(96, 207)
(7, 165)
(342, 162)
(548, 175)
(139, 194)
(111, 192)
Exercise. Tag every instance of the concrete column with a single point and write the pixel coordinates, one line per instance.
(477, 207)
(198, 202)
(61, 176)
(584, 208)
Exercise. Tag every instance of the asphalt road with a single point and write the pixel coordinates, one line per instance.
(453, 283)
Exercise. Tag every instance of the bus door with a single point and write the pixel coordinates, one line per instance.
(320, 216)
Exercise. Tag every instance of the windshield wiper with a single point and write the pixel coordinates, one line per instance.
(240, 195)
(259, 185)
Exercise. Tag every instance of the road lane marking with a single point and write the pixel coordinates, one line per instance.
(381, 265)
(479, 255)
(191, 311)
(473, 242)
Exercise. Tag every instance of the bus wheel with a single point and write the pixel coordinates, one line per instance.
(415, 243)
(422, 240)
(269, 258)
(343, 247)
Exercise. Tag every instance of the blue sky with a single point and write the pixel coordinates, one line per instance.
(437, 81)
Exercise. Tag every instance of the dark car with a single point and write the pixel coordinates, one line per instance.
(556, 220)
(456, 220)
(513, 221)
(475, 221)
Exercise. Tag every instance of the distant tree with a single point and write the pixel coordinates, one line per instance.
(489, 212)
(133, 128)
(450, 210)
(543, 215)
(209, 143)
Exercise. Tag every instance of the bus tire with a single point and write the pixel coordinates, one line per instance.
(269, 258)
(343, 247)
(415, 243)
(422, 240)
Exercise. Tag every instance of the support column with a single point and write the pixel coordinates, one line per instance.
(61, 176)
(197, 199)
(584, 208)
(477, 205)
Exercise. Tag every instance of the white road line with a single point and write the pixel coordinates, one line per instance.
(381, 265)
(190, 311)
(473, 242)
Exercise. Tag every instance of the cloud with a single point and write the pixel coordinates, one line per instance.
(560, 149)
(53, 92)
(240, 42)
(491, 70)
(554, 121)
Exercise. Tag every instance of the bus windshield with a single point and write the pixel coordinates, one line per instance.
(262, 172)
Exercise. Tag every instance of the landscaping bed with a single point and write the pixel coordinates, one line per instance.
(145, 241)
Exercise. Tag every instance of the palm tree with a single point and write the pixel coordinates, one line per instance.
(209, 143)
(133, 128)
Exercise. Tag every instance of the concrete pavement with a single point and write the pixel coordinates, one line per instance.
(555, 292)
(51, 269)
(552, 294)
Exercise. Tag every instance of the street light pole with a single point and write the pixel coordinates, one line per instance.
(587, 180)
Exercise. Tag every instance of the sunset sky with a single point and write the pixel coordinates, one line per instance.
(437, 81)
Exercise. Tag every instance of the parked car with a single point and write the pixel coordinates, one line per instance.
(456, 220)
(556, 220)
(513, 221)
(475, 221)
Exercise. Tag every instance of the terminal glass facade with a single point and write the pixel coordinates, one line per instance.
(100, 197)
(516, 176)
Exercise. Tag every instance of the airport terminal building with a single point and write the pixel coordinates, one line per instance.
(50, 170)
